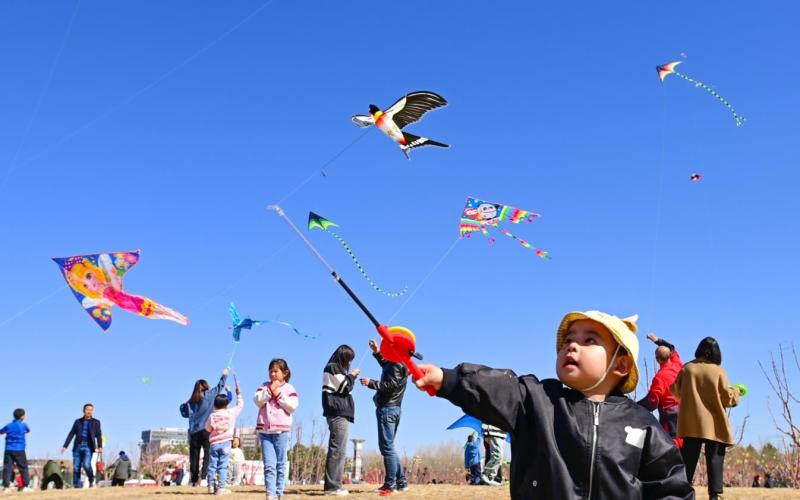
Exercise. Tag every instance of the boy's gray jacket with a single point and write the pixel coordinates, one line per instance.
(567, 447)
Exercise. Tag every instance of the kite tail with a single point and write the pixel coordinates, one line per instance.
(540, 253)
(736, 116)
(292, 327)
(364, 272)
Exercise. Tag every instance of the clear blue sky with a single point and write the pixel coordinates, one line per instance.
(144, 133)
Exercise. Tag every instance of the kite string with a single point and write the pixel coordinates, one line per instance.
(416, 289)
(43, 94)
(363, 271)
(654, 259)
(35, 304)
(141, 91)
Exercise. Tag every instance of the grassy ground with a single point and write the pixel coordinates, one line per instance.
(297, 492)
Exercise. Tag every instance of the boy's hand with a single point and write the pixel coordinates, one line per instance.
(238, 388)
(652, 337)
(373, 345)
(432, 376)
(356, 372)
(364, 381)
(227, 388)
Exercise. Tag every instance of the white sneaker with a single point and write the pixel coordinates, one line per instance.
(341, 492)
(6, 490)
(27, 489)
(224, 491)
(203, 482)
(211, 489)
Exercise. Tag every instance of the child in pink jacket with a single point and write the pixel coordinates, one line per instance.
(276, 400)
(220, 425)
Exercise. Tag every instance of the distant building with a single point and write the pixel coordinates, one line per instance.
(156, 439)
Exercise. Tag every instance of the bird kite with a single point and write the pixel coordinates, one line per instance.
(478, 215)
(96, 281)
(695, 177)
(319, 222)
(239, 324)
(669, 69)
(408, 109)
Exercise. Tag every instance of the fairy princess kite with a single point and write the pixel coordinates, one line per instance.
(96, 281)
(408, 109)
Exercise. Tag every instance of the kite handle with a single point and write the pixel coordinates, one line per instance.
(398, 345)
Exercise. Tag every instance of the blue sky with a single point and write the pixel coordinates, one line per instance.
(170, 127)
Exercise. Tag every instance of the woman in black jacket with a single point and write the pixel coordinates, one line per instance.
(339, 410)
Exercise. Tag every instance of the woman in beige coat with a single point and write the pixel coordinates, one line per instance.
(704, 392)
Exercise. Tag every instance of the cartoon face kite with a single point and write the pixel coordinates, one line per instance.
(319, 222)
(96, 281)
(478, 215)
(669, 69)
(408, 109)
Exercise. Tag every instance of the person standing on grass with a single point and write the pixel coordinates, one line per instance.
(659, 396)
(15, 451)
(389, 391)
(338, 409)
(88, 440)
(197, 410)
(122, 470)
(703, 389)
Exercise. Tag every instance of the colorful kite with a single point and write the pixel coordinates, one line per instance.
(240, 324)
(145, 380)
(478, 215)
(96, 281)
(695, 177)
(408, 109)
(669, 69)
(319, 222)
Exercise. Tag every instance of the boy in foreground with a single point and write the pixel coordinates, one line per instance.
(586, 440)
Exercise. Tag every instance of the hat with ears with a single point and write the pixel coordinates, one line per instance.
(622, 329)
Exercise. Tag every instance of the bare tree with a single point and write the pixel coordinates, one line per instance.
(787, 469)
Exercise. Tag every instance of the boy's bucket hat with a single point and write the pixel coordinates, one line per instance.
(623, 330)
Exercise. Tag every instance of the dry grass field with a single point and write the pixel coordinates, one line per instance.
(361, 491)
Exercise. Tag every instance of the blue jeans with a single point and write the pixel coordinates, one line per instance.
(273, 452)
(81, 457)
(218, 464)
(388, 421)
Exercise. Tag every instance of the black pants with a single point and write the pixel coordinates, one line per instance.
(117, 481)
(715, 458)
(58, 482)
(15, 457)
(197, 441)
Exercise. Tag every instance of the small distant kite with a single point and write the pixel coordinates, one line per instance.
(695, 177)
(408, 109)
(145, 380)
(319, 222)
(96, 281)
(478, 215)
(669, 69)
(239, 324)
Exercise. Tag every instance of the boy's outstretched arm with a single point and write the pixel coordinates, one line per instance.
(494, 396)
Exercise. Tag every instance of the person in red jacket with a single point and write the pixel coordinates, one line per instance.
(659, 397)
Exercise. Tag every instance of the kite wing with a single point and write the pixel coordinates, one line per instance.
(666, 69)
(411, 107)
(234, 314)
(318, 221)
(363, 121)
(468, 422)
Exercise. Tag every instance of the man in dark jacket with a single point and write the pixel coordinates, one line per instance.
(578, 436)
(659, 396)
(122, 470)
(388, 398)
(88, 440)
